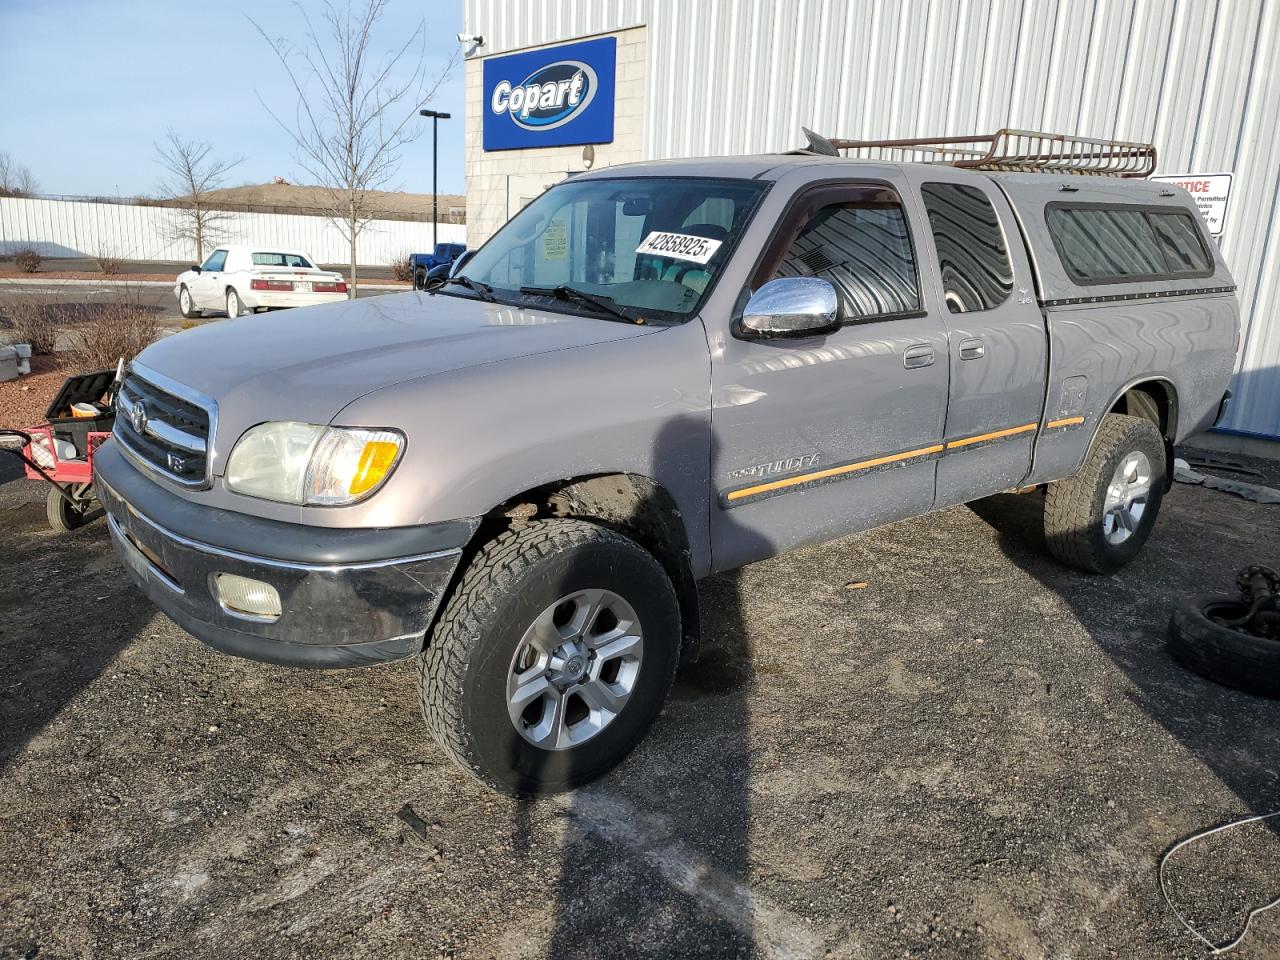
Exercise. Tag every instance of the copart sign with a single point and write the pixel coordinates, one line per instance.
(551, 97)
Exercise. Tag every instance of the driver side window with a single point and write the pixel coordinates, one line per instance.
(216, 261)
(864, 249)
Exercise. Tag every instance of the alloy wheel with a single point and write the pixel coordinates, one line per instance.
(574, 669)
(1126, 499)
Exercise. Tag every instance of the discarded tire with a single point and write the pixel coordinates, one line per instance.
(1231, 657)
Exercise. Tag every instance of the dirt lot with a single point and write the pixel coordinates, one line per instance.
(980, 754)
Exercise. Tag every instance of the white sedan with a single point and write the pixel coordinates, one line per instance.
(241, 280)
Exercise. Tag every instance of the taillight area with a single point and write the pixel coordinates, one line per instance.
(339, 287)
(271, 285)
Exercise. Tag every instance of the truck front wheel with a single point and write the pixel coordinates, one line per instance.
(552, 657)
(1099, 519)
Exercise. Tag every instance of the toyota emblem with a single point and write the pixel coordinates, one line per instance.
(138, 417)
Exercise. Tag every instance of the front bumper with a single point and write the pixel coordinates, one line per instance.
(342, 604)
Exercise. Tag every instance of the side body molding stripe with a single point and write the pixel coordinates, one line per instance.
(933, 451)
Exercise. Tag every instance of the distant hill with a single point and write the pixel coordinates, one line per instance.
(293, 198)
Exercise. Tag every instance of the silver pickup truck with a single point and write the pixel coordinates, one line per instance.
(651, 374)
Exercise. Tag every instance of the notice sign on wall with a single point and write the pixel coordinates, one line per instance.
(1211, 192)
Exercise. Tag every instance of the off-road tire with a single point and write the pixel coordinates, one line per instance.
(62, 517)
(1226, 656)
(1073, 508)
(463, 670)
(189, 312)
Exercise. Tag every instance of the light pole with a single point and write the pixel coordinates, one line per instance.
(436, 116)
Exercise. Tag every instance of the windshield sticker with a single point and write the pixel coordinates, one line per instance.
(682, 246)
(555, 240)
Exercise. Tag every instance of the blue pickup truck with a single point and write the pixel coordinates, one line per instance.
(423, 263)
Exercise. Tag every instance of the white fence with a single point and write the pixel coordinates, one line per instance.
(78, 228)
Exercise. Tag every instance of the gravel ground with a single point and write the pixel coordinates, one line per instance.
(979, 754)
(23, 402)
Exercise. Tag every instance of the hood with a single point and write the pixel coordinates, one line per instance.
(308, 363)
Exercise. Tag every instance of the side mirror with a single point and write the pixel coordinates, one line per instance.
(195, 268)
(792, 307)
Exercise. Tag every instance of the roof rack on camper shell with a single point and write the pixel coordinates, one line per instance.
(1022, 151)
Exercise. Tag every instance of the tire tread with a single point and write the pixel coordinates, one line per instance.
(494, 572)
(1069, 503)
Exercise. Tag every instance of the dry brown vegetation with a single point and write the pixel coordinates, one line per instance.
(401, 268)
(109, 263)
(97, 334)
(119, 329)
(29, 318)
(27, 259)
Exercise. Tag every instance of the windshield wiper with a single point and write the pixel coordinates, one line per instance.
(574, 295)
(482, 289)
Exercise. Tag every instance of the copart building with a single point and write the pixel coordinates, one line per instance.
(555, 87)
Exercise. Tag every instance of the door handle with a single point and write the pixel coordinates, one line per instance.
(917, 355)
(972, 349)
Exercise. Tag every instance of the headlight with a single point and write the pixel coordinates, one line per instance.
(305, 463)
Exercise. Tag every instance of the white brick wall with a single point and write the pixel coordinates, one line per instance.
(498, 181)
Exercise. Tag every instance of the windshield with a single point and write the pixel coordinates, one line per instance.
(650, 246)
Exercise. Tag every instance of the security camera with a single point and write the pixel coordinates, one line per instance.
(475, 40)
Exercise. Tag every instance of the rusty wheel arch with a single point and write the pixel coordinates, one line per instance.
(632, 504)
(1154, 399)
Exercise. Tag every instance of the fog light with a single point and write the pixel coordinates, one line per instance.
(247, 598)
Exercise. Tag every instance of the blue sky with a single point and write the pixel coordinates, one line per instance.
(90, 86)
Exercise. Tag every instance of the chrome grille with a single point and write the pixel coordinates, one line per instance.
(166, 427)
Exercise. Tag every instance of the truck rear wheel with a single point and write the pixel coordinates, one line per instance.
(552, 658)
(1099, 519)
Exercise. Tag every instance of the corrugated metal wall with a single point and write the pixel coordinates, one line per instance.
(79, 228)
(1198, 78)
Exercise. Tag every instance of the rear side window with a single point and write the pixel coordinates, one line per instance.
(864, 249)
(1101, 244)
(261, 259)
(976, 274)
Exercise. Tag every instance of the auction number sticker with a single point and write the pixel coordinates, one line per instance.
(682, 246)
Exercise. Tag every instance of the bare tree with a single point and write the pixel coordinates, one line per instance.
(354, 112)
(15, 179)
(192, 174)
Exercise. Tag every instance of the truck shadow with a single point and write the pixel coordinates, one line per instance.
(631, 872)
(56, 637)
(1232, 734)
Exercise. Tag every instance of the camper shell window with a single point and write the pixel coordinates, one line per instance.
(1124, 243)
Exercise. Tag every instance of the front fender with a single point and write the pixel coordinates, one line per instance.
(481, 436)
